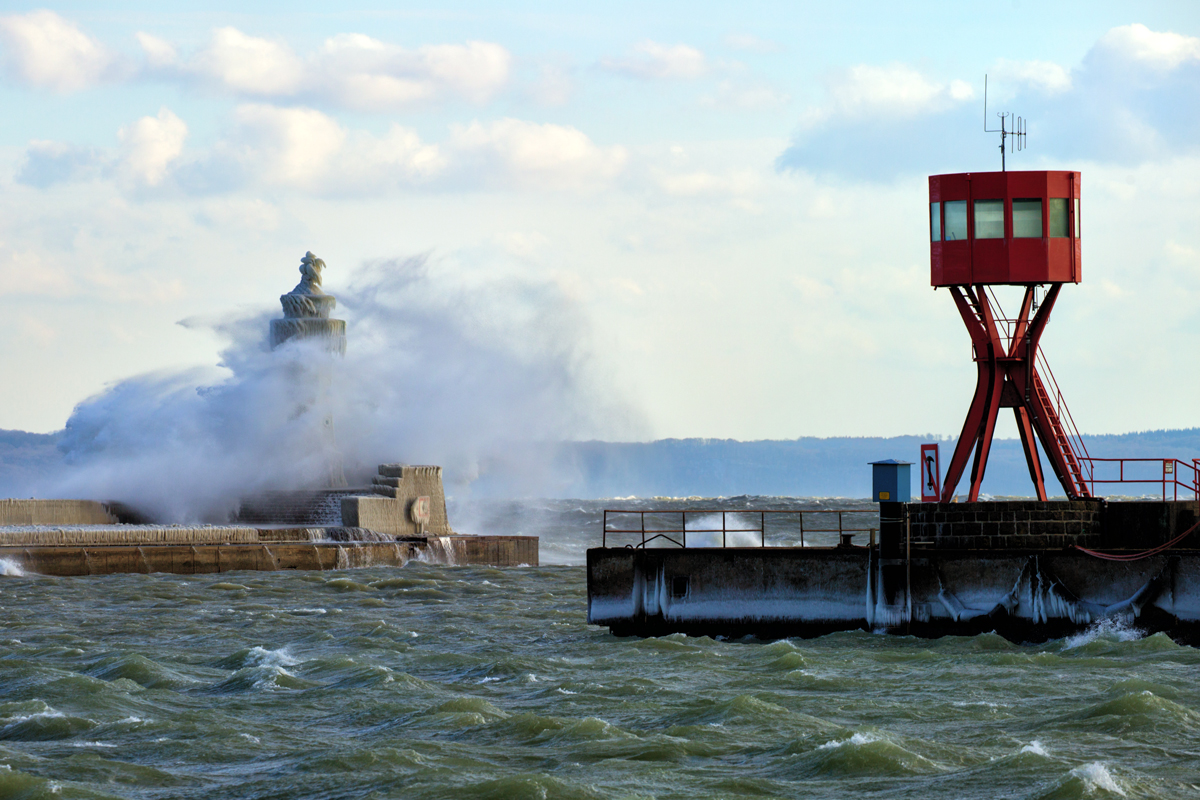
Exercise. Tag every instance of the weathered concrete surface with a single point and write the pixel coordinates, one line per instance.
(68, 560)
(774, 592)
(205, 558)
(727, 590)
(54, 512)
(42, 535)
(389, 508)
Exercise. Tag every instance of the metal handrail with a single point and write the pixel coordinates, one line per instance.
(1074, 437)
(1166, 479)
(724, 530)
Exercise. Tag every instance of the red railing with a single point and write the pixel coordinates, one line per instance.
(1081, 464)
(1175, 475)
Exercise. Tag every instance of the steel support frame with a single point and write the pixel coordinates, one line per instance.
(1008, 377)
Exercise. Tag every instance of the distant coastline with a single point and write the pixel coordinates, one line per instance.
(805, 467)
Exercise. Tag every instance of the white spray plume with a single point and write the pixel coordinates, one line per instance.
(481, 377)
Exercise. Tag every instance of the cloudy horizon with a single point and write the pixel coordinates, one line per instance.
(732, 203)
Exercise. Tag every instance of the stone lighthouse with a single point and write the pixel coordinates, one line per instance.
(306, 311)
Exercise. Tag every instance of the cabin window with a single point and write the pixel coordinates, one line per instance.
(1058, 217)
(989, 219)
(935, 222)
(1076, 217)
(1027, 219)
(956, 220)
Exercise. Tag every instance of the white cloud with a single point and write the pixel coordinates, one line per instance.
(29, 273)
(1047, 76)
(553, 87)
(250, 65)
(752, 43)
(160, 54)
(700, 183)
(897, 90)
(731, 94)
(305, 149)
(348, 70)
(151, 144)
(1159, 49)
(652, 60)
(368, 74)
(48, 52)
(288, 146)
(524, 153)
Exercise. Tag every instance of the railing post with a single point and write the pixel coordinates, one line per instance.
(604, 531)
(683, 533)
(722, 529)
(642, 514)
(762, 527)
(802, 528)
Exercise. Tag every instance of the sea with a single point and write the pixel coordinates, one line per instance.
(441, 681)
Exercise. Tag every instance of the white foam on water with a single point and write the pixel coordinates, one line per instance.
(701, 533)
(262, 657)
(249, 738)
(1096, 776)
(565, 691)
(1114, 630)
(93, 744)
(10, 568)
(858, 740)
(1035, 747)
(47, 713)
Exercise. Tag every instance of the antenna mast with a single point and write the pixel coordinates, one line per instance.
(1017, 131)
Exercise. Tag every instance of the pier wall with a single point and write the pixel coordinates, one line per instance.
(104, 559)
(1007, 567)
(54, 512)
(1030, 524)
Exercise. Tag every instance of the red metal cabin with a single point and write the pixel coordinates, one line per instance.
(1004, 228)
(1018, 229)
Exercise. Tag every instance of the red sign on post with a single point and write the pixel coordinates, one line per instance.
(931, 482)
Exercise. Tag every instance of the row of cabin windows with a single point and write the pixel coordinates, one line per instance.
(989, 219)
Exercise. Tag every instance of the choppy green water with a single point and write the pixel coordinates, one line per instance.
(433, 681)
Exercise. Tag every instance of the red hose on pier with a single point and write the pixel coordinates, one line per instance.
(1139, 556)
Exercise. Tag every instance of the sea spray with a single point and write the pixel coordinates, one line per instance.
(442, 367)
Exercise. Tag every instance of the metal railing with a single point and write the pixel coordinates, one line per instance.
(1169, 478)
(657, 532)
(1065, 418)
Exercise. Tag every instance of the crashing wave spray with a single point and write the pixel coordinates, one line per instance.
(481, 375)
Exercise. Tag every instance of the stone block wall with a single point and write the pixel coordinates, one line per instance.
(396, 488)
(54, 512)
(1034, 525)
(301, 508)
(1015, 525)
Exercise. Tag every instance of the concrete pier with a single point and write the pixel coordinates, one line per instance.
(266, 555)
(961, 576)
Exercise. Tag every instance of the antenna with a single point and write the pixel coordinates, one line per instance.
(1017, 131)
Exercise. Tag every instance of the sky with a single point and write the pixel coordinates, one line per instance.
(729, 199)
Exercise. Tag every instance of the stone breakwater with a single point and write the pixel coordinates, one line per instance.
(148, 549)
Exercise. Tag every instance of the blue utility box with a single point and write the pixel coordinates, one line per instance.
(891, 481)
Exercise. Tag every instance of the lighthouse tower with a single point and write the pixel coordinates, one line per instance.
(991, 229)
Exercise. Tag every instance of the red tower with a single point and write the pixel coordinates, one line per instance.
(1009, 229)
